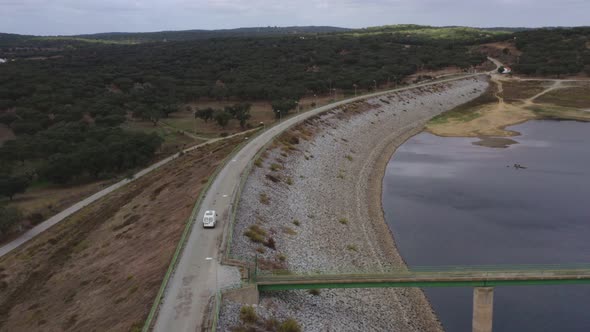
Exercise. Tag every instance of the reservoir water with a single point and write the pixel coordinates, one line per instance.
(450, 202)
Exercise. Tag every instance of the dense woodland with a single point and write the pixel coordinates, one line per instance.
(66, 104)
(553, 52)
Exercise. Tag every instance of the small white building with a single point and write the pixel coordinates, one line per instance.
(3, 60)
(507, 70)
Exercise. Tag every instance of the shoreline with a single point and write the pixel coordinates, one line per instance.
(311, 192)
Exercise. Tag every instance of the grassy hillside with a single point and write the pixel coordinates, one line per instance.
(423, 34)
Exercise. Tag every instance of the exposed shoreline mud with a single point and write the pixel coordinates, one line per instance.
(315, 196)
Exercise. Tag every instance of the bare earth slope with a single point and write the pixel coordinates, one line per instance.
(321, 205)
(100, 269)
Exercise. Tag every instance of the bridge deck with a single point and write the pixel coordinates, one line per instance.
(431, 277)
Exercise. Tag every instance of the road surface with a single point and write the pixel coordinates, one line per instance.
(40, 228)
(195, 279)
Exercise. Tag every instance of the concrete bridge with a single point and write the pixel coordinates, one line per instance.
(482, 278)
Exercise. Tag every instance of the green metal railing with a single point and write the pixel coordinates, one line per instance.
(440, 276)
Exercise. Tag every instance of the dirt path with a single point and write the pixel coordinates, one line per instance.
(186, 133)
(45, 225)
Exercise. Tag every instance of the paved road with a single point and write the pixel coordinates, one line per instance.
(195, 279)
(31, 233)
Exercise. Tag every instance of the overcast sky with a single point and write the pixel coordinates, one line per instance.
(52, 17)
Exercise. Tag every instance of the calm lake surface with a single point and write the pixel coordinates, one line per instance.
(450, 202)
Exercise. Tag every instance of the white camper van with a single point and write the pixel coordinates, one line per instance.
(209, 219)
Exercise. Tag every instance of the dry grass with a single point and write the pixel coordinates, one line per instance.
(577, 97)
(76, 276)
(519, 90)
(174, 140)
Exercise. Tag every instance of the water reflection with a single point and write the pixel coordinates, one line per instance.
(450, 202)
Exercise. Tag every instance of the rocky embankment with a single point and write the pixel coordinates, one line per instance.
(313, 204)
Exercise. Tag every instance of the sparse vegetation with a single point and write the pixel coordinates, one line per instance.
(264, 199)
(256, 234)
(248, 314)
(314, 292)
(273, 178)
(270, 243)
(290, 325)
(343, 221)
(9, 217)
(275, 167)
(352, 247)
(289, 231)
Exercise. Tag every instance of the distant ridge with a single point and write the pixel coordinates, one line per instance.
(206, 34)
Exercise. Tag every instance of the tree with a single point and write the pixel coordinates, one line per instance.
(240, 112)
(150, 113)
(60, 168)
(501, 69)
(7, 118)
(222, 118)
(9, 216)
(10, 186)
(283, 106)
(205, 114)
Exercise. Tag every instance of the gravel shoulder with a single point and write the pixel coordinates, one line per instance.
(316, 192)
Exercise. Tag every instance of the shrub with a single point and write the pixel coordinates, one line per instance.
(290, 231)
(264, 198)
(343, 221)
(290, 325)
(273, 178)
(289, 181)
(9, 217)
(282, 257)
(296, 222)
(349, 157)
(314, 292)
(258, 163)
(255, 233)
(36, 218)
(275, 167)
(351, 247)
(270, 243)
(260, 250)
(271, 324)
(248, 314)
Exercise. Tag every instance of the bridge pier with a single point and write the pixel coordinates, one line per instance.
(483, 306)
